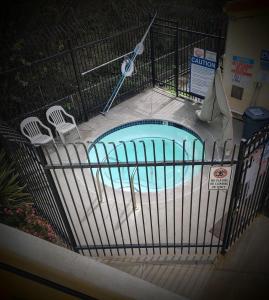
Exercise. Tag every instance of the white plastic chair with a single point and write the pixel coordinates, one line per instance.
(30, 127)
(56, 116)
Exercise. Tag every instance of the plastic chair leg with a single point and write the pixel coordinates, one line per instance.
(79, 133)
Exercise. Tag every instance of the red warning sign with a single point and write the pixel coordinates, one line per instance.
(219, 178)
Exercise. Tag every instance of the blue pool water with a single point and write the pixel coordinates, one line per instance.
(146, 141)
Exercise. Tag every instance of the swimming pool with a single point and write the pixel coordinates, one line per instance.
(146, 141)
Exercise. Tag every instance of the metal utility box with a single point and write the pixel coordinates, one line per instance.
(255, 117)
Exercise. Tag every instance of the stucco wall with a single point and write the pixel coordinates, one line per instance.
(246, 37)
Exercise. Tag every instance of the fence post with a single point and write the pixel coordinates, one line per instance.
(234, 196)
(84, 112)
(219, 49)
(57, 198)
(264, 203)
(152, 57)
(176, 61)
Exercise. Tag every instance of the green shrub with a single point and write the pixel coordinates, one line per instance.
(11, 193)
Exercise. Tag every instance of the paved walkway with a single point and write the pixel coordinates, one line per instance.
(242, 274)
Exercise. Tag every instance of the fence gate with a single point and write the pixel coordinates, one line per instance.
(134, 198)
(172, 46)
(152, 197)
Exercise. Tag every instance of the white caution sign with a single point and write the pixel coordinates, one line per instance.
(219, 178)
(202, 75)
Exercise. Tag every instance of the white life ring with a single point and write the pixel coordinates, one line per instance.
(124, 66)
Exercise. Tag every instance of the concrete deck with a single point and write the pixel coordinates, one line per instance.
(242, 274)
(157, 104)
(77, 186)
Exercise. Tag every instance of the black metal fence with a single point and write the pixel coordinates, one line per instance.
(144, 197)
(250, 187)
(144, 203)
(173, 46)
(136, 198)
(80, 78)
(82, 74)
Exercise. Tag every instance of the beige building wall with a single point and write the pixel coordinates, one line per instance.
(247, 35)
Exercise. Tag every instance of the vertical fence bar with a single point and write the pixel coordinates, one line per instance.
(157, 195)
(61, 192)
(27, 173)
(253, 201)
(123, 197)
(81, 200)
(149, 198)
(234, 196)
(208, 200)
(140, 195)
(46, 195)
(132, 195)
(182, 197)
(77, 76)
(71, 192)
(176, 60)
(58, 200)
(250, 207)
(225, 201)
(217, 201)
(89, 196)
(115, 200)
(152, 57)
(200, 194)
(265, 189)
(191, 200)
(242, 198)
(174, 195)
(165, 196)
(106, 197)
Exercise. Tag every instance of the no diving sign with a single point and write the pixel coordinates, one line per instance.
(219, 178)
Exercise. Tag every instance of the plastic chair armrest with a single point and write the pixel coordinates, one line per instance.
(47, 128)
(48, 119)
(71, 117)
(25, 133)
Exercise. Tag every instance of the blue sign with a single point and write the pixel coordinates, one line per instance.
(202, 75)
(203, 62)
(243, 60)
